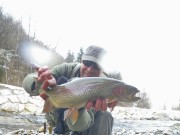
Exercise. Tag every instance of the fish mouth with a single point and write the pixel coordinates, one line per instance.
(133, 96)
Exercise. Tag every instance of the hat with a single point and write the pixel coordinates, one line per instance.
(94, 54)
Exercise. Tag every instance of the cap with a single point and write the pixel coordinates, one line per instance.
(94, 53)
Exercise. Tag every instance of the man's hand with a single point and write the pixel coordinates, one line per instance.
(100, 104)
(45, 76)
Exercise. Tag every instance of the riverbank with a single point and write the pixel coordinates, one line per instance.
(127, 121)
(136, 121)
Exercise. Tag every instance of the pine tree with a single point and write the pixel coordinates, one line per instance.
(70, 57)
(79, 56)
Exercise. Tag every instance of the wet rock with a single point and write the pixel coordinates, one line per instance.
(10, 107)
(16, 99)
(3, 100)
(13, 98)
(5, 92)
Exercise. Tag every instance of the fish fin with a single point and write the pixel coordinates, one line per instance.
(47, 106)
(67, 113)
(62, 87)
(109, 100)
(72, 114)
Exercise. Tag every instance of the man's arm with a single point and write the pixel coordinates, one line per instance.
(85, 120)
(29, 84)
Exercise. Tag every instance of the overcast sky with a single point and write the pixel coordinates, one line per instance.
(142, 37)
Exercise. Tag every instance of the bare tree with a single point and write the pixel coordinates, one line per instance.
(115, 75)
(177, 107)
(144, 102)
(13, 65)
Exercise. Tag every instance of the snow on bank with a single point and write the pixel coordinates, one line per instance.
(145, 114)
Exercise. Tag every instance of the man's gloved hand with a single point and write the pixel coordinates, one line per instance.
(45, 76)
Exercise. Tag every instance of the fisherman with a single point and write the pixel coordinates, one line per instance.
(94, 119)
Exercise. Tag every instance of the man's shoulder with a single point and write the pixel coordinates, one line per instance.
(67, 65)
(66, 69)
(72, 66)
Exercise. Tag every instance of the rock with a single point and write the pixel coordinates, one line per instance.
(36, 101)
(23, 99)
(5, 92)
(20, 91)
(10, 107)
(31, 108)
(16, 99)
(13, 99)
(3, 99)
(21, 107)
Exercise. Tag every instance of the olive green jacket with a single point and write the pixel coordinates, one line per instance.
(69, 70)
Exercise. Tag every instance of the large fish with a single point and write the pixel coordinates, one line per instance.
(75, 93)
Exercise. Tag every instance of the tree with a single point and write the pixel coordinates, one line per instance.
(14, 66)
(70, 57)
(144, 102)
(115, 75)
(164, 107)
(176, 107)
(79, 55)
(2, 73)
(11, 32)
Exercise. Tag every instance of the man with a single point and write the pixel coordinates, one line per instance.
(93, 119)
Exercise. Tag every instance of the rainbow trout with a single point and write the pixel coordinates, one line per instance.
(78, 91)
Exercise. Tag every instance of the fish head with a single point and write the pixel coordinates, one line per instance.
(125, 93)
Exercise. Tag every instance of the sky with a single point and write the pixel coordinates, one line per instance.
(142, 37)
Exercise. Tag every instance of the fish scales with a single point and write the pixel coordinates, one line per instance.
(78, 91)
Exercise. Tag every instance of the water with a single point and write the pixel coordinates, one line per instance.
(142, 126)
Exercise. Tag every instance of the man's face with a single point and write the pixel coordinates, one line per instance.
(90, 69)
